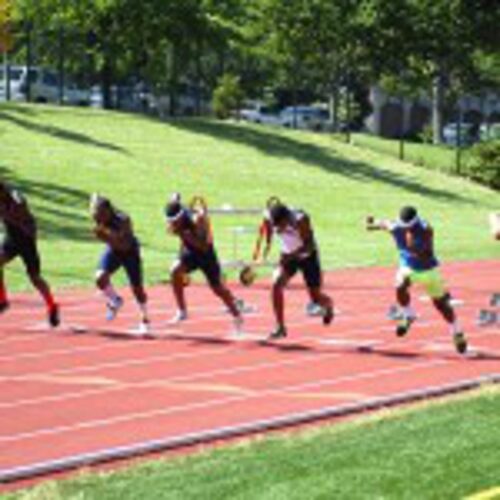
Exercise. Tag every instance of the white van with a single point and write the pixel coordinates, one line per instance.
(304, 117)
(44, 86)
(17, 77)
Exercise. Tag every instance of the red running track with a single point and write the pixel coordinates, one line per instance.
(92, 391)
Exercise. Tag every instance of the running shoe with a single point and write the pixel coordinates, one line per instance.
(279, 333)
(486, 317)
(328, 315)
(460, 342)
(495, 300)
(53, 316)
(404, 325)
(238, 325)
(179, 316)
(113, 306)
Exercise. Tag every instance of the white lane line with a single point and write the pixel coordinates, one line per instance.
(121, 386)
(192, 336)
(277, 391)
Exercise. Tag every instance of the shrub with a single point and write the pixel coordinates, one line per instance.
(426, 134)
(484, 163)
(227, 96)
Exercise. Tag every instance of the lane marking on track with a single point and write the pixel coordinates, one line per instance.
(63, 380)
(196, 376)
(356, 343)
(221, 388)
(354, 396)
(489, 494)
(183, 408)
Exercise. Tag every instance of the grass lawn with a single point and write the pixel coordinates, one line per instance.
(58, 156)
(441, 157)
(440, 450)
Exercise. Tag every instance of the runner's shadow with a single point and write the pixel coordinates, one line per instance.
(285, 347)
(483, 356)
(199, 339)
(389, 353)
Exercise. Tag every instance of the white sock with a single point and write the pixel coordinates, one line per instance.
(408, 312)
(110, 293)
(455, 328)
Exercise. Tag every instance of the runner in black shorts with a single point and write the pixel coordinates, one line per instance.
(20, 241)
(122, 250)
(197, 252)
(299, 252)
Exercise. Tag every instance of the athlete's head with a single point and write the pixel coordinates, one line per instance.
(100, 209)
(175, 214)
(408, 216)
(280, 215)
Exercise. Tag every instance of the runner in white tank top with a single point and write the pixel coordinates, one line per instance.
(298, 253)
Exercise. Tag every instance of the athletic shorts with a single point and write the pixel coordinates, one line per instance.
(431, 280)
(206, 262)
(309, 266)
(24, 247)
(112, 260)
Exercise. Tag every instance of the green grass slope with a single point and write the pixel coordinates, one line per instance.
(58, 156)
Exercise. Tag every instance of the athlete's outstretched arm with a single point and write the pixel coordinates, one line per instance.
(373, 224)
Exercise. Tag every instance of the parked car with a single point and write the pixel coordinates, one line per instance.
(260, 113)
(305, 117)
(17, 76)
(489, 131)
(469, 134)
(75, 96)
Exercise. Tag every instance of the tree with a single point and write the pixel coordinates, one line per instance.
(228, 96)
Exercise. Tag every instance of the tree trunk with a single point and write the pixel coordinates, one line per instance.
(333, 106)
(437, 107)
(173, 81)
(106, 81)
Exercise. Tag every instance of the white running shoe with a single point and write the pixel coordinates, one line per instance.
(112, 308)
(143, 328)
(238, 325)
(178, 317)
(313, 309)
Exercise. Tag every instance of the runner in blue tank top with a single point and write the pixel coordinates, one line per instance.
(414, 240)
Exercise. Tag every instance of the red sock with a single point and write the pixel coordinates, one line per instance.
(49, 300)
(3, 293)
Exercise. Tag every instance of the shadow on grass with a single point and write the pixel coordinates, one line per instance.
(273, 143)
(8, 114)
(62, 214)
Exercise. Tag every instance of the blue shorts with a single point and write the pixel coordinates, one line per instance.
(206, 262)
(111, 261)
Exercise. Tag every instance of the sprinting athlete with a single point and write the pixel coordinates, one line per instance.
(491, 315)
(197, 251)
(122, 250)
(21, 240)
(414, 239)
(299, 252)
